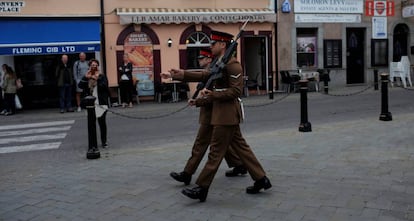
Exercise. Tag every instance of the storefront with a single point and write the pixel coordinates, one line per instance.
(33, 47)
(351, 38)
(157, 40)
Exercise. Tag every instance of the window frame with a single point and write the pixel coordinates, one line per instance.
(375, 63)
(309, 36)
(331, 53)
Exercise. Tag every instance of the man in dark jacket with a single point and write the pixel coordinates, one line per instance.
(64, 78)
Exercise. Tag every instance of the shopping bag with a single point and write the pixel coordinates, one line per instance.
(18, 103)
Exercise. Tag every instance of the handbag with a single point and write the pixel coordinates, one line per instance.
(19, 84)
(17, 102)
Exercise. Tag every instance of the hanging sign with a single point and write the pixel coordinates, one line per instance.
(286, 6)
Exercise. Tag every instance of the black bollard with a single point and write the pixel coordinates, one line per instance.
(270, 85)
(93, 151)
(376, 79)
(385, 114)
(326, 80)
(305, 125)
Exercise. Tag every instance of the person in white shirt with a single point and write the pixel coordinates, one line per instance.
(80, 68)
(1, 85)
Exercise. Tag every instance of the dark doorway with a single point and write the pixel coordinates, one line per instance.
(400, 43)
(255, 62)
(355, 44)
(37, 73)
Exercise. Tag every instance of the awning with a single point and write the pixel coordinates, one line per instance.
(196, 15)
(54, 36)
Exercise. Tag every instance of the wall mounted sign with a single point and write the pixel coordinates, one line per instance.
(329, 6)
(408, 11)
(327, 18)
(195, 15)
(379, 27)
(286, 6)
(379, 8)
(11, 6)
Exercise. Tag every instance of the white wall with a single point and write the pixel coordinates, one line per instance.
(7, 60)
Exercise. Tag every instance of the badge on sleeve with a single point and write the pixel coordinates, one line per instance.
(235, 76)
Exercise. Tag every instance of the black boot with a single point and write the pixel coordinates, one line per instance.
(263, 183)
(198, 192)
(236, 171)
(181, 177)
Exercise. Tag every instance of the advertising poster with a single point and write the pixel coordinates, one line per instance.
(379, 28)
(139, 48)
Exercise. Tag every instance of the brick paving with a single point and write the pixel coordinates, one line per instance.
(358, 169)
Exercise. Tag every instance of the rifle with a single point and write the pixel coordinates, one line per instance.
(200, 85)
(216, 69)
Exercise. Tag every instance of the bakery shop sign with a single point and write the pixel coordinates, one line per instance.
(138, 46)
(11, 6)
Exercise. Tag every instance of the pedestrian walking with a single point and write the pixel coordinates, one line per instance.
(203, 137)
(80, 68)
(64, 76)
(10, 90)
(95, 83)
(2, 74)
(226, 117)
(126, 85)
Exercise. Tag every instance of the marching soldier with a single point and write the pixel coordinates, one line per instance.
(226, 117)
(202, 140)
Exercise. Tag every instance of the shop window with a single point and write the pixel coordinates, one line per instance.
(195, 42)
(379, 52)
(306, 48)
(332, 53)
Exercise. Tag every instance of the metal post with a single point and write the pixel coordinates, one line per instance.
(103, 41)
(93, 151)
(376, 79)
(270, 85)
(385, 114)
(326, 80)
(305, 125)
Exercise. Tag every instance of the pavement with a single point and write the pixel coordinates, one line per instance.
(361, 169)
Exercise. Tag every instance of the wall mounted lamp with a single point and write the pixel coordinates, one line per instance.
(169, 42)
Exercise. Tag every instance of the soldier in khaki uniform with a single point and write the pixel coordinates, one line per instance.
(226, 117)
(202, 140)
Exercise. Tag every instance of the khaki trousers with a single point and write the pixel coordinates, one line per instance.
(199, 149)
(222, 138)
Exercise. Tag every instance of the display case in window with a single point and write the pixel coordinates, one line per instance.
(379, 52)
(306, 51)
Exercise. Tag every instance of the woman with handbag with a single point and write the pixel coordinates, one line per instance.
(126, 82)
(95, 84)
(10, 89)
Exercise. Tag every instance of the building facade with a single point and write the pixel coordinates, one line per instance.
(158, 36)
(352, 38)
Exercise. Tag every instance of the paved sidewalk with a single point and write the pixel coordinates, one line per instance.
(352, 170)
(150, 108)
